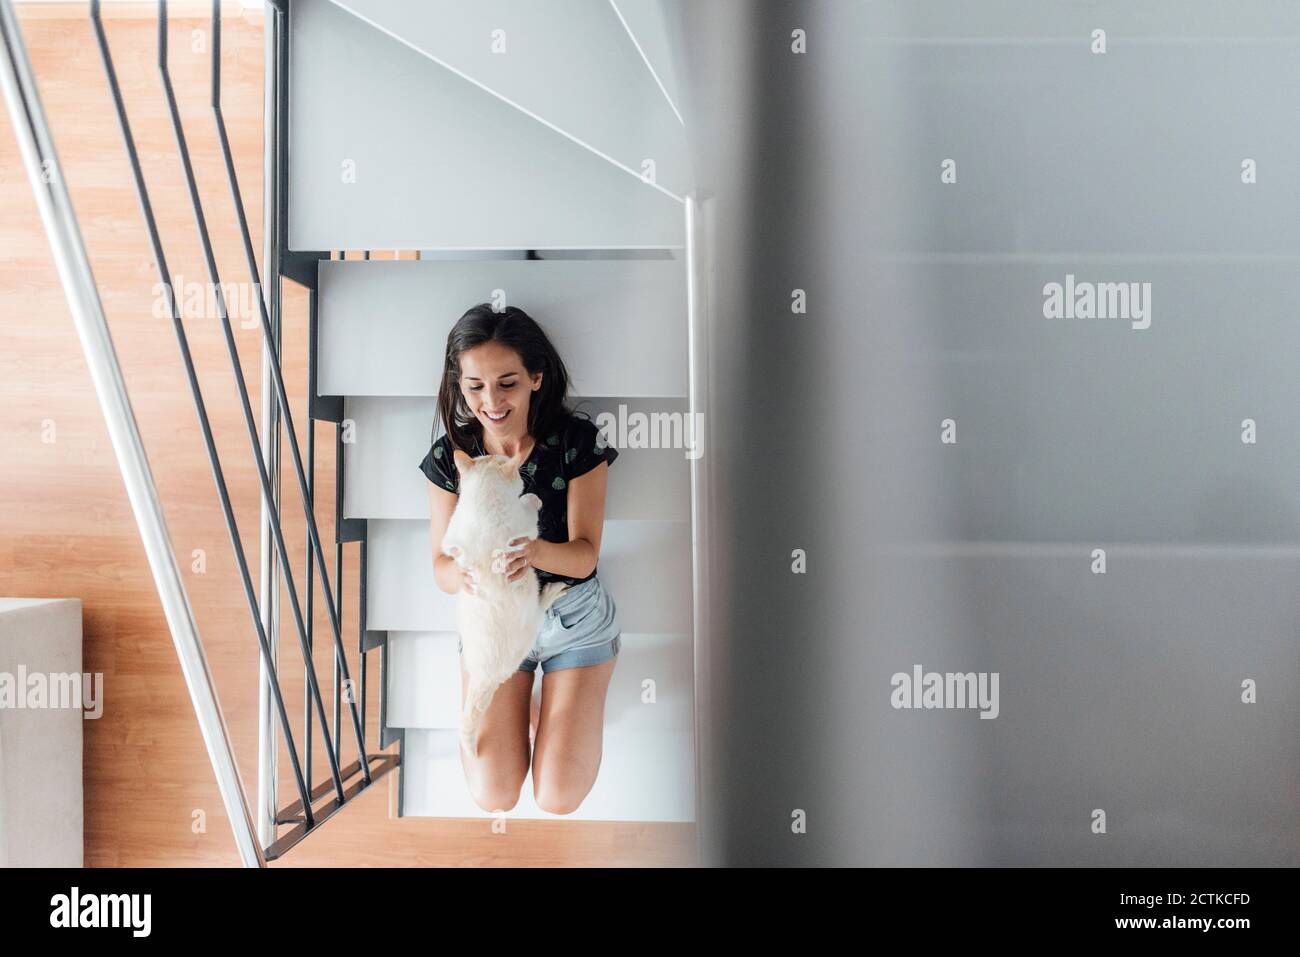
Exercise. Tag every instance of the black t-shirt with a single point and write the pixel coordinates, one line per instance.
(573, 449)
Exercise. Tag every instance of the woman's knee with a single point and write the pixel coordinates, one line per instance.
(497, 792)
(562, 791)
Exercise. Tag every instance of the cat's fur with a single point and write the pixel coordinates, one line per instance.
(499, 624)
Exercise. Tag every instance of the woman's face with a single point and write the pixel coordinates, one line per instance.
(497, 388)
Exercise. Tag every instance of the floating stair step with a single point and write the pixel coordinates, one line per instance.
(653, 558)
(619, 325)
(644, 776)
(392, 434)
(424, 682)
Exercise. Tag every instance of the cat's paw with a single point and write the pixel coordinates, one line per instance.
(531, 500)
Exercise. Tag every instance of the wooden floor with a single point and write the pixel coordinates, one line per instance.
(66, 527)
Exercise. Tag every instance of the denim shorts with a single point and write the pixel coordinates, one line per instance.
(581, 628)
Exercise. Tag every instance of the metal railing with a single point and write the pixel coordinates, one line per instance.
(41, 162)
(698, 209)
(46, 176)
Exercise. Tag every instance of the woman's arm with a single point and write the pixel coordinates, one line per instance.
(449, 576)
(577, 557)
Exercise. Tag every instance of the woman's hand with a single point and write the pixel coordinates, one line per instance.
(515, 559)
(469, 577)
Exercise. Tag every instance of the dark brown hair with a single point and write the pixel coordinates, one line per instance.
(512, 327)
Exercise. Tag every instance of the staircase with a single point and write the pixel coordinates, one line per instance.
(503, 151)
(518, 171)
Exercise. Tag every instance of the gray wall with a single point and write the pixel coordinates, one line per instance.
(1121, 691)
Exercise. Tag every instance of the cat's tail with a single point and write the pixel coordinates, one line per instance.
(477, 699)
(550, 592)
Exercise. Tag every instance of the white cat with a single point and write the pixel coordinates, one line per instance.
(499, 623)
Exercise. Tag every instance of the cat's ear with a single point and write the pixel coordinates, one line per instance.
(463, 462)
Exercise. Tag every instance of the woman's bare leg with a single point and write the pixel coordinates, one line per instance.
(496, 775)
(570, 734)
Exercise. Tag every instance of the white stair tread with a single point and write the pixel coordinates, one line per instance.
(424, 682)
(644, 776)
(652, 558)
(389, 150)
(570, 63)
(619, 324)
(391, 434)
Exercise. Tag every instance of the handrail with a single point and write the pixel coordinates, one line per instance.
(257, 841)
(35, 143)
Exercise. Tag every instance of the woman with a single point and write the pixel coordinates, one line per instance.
(503, 392)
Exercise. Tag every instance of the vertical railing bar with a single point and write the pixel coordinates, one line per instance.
(699, 336)
(281, 392)
(273, 152)
(361, 629)
(311, 493)
(241, 386)
(313, 346)
(36, 146)
(339, 590)
(338, 566)
(382, 690)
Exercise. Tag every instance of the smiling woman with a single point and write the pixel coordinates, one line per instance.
(503, 393)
